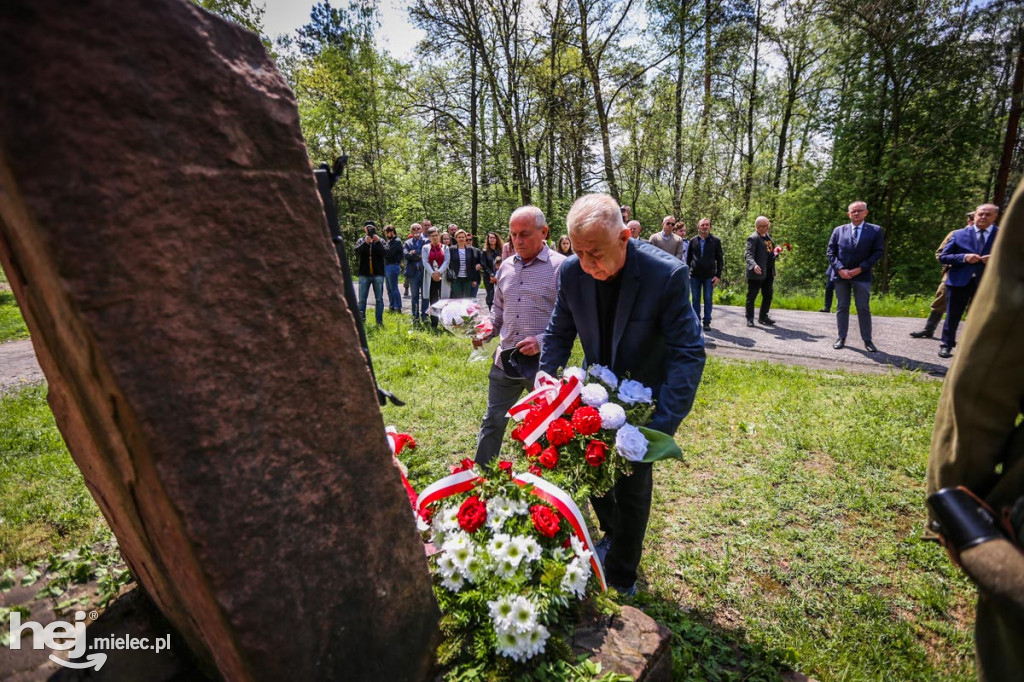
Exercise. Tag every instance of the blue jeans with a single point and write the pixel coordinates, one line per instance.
(415, 280)
(391, 273)
(707, 288)
(378, 295)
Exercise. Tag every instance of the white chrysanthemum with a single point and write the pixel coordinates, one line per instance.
(476, 569)
(460, 548)
(524, 615)
(529, 547)
(578, 550)
(505, 569)
(445, 566)
(499, 509)
(508, 644)
(501, 612)
(520, 507)
(575, 579)
(453, 582)
(594, 395)
(448, 519)
(498, 546)
(514, 552)
(532, 643)
(632, 392)
(612, 416)
(630, 443)
(604, 374)
(577, 372)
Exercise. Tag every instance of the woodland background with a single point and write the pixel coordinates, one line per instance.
(725, 109)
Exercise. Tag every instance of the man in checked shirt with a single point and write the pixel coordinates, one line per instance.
(524, 296)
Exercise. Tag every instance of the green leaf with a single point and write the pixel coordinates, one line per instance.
(660, 446)
(7, 580)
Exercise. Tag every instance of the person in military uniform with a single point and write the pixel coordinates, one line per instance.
(978, 443)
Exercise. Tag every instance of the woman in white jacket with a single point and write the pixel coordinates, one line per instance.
(435, 265)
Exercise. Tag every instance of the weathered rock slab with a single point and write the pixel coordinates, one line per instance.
(160, 228)
(631, 643)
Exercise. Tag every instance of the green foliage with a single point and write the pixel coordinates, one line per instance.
(12, 324)
(246, 13)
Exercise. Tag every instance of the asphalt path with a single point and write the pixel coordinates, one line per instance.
(798, 338)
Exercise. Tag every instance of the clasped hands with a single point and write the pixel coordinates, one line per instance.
(850, 273)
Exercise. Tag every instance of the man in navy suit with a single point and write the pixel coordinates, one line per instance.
(966, 254)
(629, 304)
(852, 251)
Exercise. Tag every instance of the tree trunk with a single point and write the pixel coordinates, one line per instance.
(1012, 124)
(748, 170)
(592, 67)
(474, 151)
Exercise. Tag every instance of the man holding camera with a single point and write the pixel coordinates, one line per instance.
(370, 253)
(392, 267)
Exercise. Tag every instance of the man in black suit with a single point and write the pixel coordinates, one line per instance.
(705, 260)
(760, 257)
(621, 297)
(966, 254)
(852, 251)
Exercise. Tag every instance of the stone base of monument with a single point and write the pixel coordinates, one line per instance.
(630, 643)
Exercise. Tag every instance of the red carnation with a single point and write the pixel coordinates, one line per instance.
(517, 433)
(535, 470)
(401, 441)
(548, 457)
(472, 514)
(560, 432)
(545, 520)
(427, 514)
(464, 465)
(587, 421)
(506, 466)
(596, 453)
(532, 450)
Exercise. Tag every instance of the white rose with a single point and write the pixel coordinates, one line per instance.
(612, 416)
(632, 392)
(594, 395)
(630, 443)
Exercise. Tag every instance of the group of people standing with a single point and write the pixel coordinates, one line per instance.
(437, 265)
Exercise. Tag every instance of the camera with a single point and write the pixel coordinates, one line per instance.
(371, 231)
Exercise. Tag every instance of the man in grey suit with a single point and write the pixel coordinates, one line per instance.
(628, 302)
(852, 251)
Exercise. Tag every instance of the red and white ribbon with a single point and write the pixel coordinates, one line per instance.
(559, 394)
(549, 492)
(458, 482)
(560, 500)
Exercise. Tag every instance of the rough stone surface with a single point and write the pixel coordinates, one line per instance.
(161, 230)
(631, 643)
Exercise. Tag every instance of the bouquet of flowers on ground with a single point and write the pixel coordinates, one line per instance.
(513, 562)
(581, 431)
(465, 316)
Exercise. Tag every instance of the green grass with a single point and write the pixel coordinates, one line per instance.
(44, 505)
(12, 325)
(881, 305)
(787, 538)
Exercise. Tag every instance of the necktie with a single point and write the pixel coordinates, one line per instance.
(980, 235)
(856, 234)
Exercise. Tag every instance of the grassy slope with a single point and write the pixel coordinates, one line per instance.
(788, 536)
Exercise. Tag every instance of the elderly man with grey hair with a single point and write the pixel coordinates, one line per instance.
(524, 295)
(629, 304)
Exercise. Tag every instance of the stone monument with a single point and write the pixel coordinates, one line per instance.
(160, 228)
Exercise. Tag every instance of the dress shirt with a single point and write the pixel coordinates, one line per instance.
(524, 297)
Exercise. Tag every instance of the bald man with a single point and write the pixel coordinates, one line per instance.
(853, 250)
(629, 304)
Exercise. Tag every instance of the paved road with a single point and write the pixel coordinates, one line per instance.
(799, 338)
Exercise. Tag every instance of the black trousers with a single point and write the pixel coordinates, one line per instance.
(766, 287)
(623, 514)
(957, 300)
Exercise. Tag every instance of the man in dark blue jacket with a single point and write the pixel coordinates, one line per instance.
(412, 252)
(629, 304)
(852, 251)
(966, 253)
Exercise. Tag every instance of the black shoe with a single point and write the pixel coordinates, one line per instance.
(945, 352)
(839, 344)
(750, 323)
(870, 347)
(824, 310)
(767, 321)
(707, 326)
(924, 334)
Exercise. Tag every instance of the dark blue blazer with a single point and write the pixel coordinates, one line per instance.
(843, 255)
(656, 338)
(962, 243)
